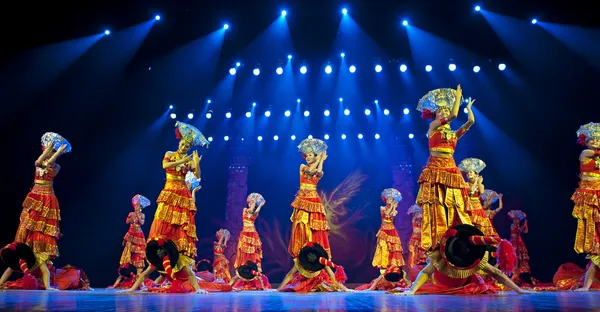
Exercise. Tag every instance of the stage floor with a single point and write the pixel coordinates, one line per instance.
(110, 300)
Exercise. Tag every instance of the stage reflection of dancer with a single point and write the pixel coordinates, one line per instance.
(134, 241)
(417, 255)
(488, 198)
(38, 227)
(220, 263)
(452, 268)
(388, 251)
(309, 222)
(174, 220)
(587, 200)
(443, 193)
(249, 246)
(472, 167)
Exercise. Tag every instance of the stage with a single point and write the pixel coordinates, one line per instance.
(110, 300)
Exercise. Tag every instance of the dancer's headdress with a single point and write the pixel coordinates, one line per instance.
(223, 233)
(313, 258)
(20, 258)
(414, 209)
(517, 214)
(256, 197)
(488, 197)
(163, 255)
(393, 274)
(139, 199)
(190, 134)
(127, 270)
(471, 164)
(204, 265)
(248, 271)
(191, 180)
(56, 140)
(314, 146)
(588, 131)
(393, 193)
(436, 99)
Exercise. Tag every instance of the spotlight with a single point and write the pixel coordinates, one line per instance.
(248, 114)
(173, 115)
(232, 71)
(326, 136)
(476, 69)
(107, 32)
(310, 136)
(406, 111)
(346, 112)
(298, 101)
(405, 23)
(238, 64)
(275, 137)
(253, 104)
(157, 17)
(208, 115)
(360, 136)
(279, 70)
(259, 138)
(466, 110)
(228, 115)
(403, 68)
(386, 111)
(367, 112)
(191, 116)
(452, 67)
(343, 136)
(170, 106)
(208, 101)
(287, 113)
(326, 112)
(293, 137)
(376, 102)
(378, 68)
(534, 21)
(210, 139)
(352, 68)
(477, 8)
(344, 11)
(377, 136)
(306, 113)
(303, 70)
(428, 68)
(226, 26)
(410, 136)
(226, 138)
(501, 66)
(289, 56)
(341, 99)
(328, 69)
(283, 13)
(268, 114)
(256, 72)
(343, 54)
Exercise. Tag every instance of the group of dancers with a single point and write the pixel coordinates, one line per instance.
(454, 247)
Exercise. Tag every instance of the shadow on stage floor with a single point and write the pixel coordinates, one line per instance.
(110, 300)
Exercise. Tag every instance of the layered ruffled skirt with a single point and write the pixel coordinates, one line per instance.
(309, 222)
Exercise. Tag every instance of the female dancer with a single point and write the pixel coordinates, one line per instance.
(388, 252)
(443, 193)
(488, 198)
(134, 241)
(249, 246)
(309, 222)
(417, 255)
(39, 227)
(587, 198)
(516, 232)
(174, 219)
(220, 263)
(472, 167)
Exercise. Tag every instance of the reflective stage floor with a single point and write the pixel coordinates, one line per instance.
(109, 300)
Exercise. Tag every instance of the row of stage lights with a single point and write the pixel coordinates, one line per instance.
(352, 68)
(260, 138)
(344, 12)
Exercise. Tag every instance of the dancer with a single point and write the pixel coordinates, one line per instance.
(392, 277)
(134, 241)
(309, 222)
(443, 193)
(127, 277)
(38, 227)
(488, 198)
(388, 252)
(248, 277)
(417, 255)
(312, 272)
(587, 198)
(452, 268)
(174, 220)
(221, 264)
(249, 246)
(472, 168)
(516, 232)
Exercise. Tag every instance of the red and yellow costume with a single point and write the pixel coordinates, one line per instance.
(383, 284)
(388, 252)
(220, 263)
(309, 222)
(249, 245)
(516, 232)
(186, 286)
(570, 277)
(587, 211)
(417, 255)
(66, 278)
(39, 227)
(134, 241)
(477, 214)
